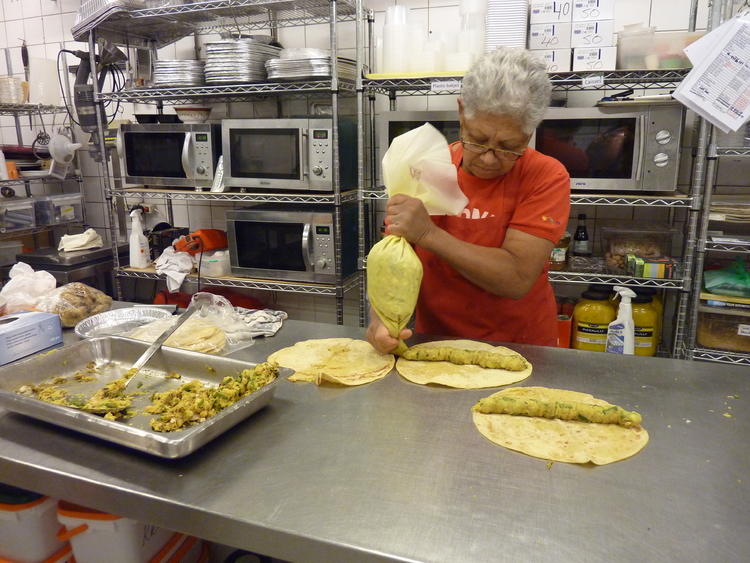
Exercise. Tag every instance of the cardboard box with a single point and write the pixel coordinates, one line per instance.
(662, 267)
(593, 59)
(593, 10)
(26, 332)
(557, 60)
(549, 36)
(595, 33)
(550, 12)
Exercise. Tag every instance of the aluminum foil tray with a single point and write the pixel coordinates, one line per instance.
(112, 356)
(118, 321)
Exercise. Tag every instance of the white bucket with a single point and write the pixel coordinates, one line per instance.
(97, 536)
(28, 531)
(183, 549)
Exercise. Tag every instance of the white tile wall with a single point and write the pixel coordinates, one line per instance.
(46, 23)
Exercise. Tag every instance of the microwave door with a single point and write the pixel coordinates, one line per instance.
(307, 247)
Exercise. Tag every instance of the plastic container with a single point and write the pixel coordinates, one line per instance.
(140, 254)
(215, 265)
(8, 251)
(591, 318)
(723, 329)
(54, 209)
(646, 321)
(621, 238)
(17, 214)
(98, 537)
(28, 526)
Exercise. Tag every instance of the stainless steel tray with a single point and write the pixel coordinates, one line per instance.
(113, 356)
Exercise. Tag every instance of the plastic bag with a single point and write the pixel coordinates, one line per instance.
(214, 329)
(74, 302)
(418, 164)
(25, 287)
(394, 274)
(731, 280)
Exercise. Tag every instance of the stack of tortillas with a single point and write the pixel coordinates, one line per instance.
(196, 335)
(460, 376)
(337, 360)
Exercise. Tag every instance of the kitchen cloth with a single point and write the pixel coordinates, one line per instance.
(262, 322)
(175, 266)
(87, 239)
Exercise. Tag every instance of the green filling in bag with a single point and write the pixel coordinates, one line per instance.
(394, 274)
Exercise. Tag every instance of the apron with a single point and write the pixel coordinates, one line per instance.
(450, 305)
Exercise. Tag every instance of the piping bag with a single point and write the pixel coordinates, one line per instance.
(418, 164)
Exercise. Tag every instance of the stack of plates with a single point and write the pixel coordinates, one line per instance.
(238, 61)
(179, 73)
(507, 23)
(319, 68)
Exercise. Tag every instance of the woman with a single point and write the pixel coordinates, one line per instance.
(485, 270)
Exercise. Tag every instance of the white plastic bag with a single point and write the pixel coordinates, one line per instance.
(26, 287)
(418, 164)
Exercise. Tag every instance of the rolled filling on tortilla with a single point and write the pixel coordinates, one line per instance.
(567, 410)
(482, 358)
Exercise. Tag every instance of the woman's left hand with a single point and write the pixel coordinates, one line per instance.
(408, 218)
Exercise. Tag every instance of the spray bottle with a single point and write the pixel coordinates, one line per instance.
(140, 255)
(621, 331)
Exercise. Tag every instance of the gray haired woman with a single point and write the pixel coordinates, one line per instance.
(485, 270)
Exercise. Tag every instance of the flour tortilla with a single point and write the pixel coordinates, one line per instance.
(460, 377)
(570, 441)
(338, 360)
(195, 334)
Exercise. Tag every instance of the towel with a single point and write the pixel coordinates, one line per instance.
(87, 239)
(262, 322)
(175, 266)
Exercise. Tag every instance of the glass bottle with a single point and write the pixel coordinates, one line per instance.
(581, 243)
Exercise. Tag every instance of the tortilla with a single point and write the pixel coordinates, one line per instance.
(196, 335)
(460, 376)
(338, 360)
(570, 441)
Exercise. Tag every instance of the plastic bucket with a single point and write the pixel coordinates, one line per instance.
(182, 549)
(97, 536)
(28, 529)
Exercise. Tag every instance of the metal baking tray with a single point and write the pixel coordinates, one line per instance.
(112, 356)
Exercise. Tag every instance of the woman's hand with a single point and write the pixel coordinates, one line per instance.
(408, 218)
(380, 338)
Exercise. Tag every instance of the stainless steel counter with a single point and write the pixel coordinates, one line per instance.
(394, 471)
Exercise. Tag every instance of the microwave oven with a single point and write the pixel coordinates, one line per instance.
(615, 147)
(292, 242)
(288, 153)
(169, 154)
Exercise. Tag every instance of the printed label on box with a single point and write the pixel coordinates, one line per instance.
(549, 36)
(743, 330)
(550, 12)
(597, 58)
(557, 60)
(593, 10)
(600, 33)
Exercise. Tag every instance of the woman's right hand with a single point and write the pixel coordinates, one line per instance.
(379, 336)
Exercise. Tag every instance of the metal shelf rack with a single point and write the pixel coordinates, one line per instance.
(343, 197)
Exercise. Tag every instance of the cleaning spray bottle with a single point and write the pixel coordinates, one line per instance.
(140, 255)
(621, 331)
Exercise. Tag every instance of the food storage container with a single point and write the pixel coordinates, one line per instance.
(8, 251)
(54, 209)
(28, 526)
(723, 329)
(621, 238)
(97, 536)
(17, 214)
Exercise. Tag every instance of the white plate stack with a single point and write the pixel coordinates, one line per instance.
(507, 23)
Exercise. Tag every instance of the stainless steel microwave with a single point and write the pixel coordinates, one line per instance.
(615, 147)
(292, 242)
(169, 154)
(288, 153)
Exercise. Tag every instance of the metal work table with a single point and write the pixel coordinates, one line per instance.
(394, 471)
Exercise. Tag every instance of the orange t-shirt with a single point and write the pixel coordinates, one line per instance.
(534, 197)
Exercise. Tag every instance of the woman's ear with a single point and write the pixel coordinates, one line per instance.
(460, 108)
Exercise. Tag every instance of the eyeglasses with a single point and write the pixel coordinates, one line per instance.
(476, 148)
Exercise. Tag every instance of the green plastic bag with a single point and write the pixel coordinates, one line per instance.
(733, 280)
(394, 274)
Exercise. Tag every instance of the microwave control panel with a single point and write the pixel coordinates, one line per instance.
(324, 260)
(320, 158)
(201, 159)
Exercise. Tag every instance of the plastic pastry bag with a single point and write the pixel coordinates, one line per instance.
(26, 287)
(394, 274)
(215, 329)
(418, 164)
(733, 280)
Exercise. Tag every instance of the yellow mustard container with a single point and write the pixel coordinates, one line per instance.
(591, 318)
(646, 321)
(658, 305)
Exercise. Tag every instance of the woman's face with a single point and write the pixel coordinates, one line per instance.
(495, 131)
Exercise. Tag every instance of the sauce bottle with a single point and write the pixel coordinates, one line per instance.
(591, 318)
(581, 243)
(645, 319)
(559, 255)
